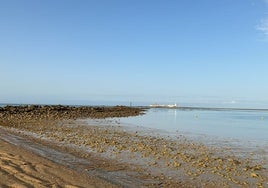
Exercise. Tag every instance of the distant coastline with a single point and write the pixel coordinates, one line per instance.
(148, 106)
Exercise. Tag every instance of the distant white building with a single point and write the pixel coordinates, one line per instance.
(163, 106)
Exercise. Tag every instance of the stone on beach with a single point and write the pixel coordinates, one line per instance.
(175, 158)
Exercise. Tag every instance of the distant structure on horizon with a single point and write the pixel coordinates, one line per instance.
(163, 105)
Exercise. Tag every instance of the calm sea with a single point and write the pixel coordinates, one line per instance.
(246, 129)
(241, 124)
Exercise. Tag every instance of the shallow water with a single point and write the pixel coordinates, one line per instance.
(244, 131)
(237, 124)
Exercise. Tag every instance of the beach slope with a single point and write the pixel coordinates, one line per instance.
(20, 168)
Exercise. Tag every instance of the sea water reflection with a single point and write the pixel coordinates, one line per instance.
(240, 124)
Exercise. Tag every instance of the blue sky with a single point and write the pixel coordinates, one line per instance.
(79, 52)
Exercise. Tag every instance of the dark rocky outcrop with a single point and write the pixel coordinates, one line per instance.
(15, 115)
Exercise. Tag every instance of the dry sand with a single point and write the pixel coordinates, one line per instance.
(20, 168)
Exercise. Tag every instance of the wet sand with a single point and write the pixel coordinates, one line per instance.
(20, 168)
(130, 158)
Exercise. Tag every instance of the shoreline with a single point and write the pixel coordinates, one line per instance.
(144, 107)
(236, 146)
(95, 171)
(143, 163)
(146, 159)
(22, 168)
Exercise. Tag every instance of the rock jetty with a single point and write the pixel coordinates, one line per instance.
(14, 116)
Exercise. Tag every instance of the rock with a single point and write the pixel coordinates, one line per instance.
(253, 175)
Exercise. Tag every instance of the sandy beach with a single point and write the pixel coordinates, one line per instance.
(20, 169)
(37, 142)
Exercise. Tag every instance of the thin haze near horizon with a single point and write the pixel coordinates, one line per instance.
(80, 52)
